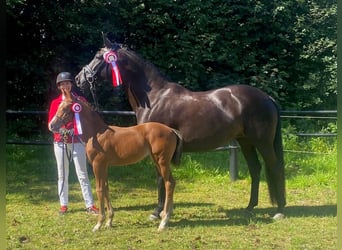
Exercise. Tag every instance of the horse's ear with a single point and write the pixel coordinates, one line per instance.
(107, 43)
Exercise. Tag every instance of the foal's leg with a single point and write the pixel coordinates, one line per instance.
(161, 198)
(169, 188)
(101, 177)
(254, 168)
(109, 207)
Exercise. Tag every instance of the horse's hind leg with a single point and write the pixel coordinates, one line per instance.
(275, 178)
(254, 168)
(170, 184)
(109, 207)
(161, 198)
(164, 168)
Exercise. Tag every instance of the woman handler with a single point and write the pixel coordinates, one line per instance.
(68, 147)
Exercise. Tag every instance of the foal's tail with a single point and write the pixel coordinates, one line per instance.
(277, 179)
(176, 158)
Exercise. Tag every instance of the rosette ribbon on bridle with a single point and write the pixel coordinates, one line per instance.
(111, 58)
(76, 108)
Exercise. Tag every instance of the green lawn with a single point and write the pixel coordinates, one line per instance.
(208, 212)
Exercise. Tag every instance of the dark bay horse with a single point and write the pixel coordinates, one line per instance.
(112, 146)
(205, 120)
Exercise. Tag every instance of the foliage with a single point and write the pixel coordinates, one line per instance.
(286, 48)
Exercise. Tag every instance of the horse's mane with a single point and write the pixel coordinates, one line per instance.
(149, 68)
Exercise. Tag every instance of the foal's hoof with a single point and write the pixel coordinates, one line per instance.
(278, 216)
(96, 228)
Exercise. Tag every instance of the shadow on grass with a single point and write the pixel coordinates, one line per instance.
(240, 217)
(233, 217)
(308, 211)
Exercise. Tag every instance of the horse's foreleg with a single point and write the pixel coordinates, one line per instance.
(168, 206)
(254, 168)
(100, 173)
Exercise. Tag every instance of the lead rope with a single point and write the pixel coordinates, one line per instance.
(69, 156)
(93, 93)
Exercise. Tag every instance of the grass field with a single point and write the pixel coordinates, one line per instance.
(208, 212)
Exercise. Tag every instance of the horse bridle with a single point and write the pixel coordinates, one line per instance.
(89, 74)
(90, 77)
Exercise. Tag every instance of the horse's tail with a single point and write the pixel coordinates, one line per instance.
(278, 141)
(176, 158)
(277, 179)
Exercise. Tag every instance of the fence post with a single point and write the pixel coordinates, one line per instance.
(233, 161)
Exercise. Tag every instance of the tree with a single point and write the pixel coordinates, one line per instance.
(286, 48)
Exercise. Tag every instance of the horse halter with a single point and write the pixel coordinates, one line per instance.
(90, 77)
(89, 74)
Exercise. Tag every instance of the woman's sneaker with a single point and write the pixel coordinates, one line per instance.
(92, 210)
(63, 209)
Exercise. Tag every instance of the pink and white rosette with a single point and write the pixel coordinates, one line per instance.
(77, 108)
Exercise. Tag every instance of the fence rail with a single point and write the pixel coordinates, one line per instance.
(293, 114)
(114, 112)
(233, 147)
(319, 114)
(28, 112)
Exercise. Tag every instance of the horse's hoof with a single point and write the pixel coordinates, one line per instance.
(161, 229)
(109, 224)
(278, 216)
(154, 217)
